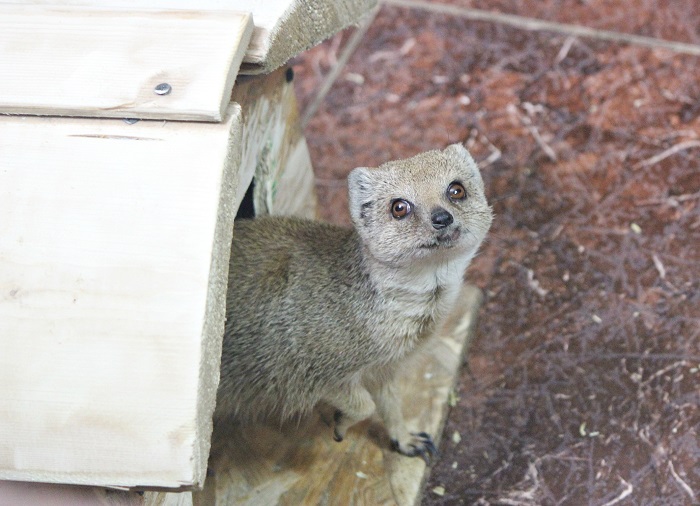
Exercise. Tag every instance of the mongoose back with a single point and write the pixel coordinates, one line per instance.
(320, 313)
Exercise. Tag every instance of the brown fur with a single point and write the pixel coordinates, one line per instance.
(319, 313)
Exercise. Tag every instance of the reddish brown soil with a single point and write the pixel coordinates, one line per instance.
(582, 384)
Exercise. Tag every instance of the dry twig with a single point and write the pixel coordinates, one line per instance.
(627, 491)
(677, 148)
(681, 482)
(527, 123)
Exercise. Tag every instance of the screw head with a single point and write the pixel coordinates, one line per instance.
(162, 89)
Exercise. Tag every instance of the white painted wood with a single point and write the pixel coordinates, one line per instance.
(114, 248)
(73, 60)
(283, 28)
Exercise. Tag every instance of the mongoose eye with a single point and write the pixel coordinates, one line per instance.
(456, 191)
(401, 208)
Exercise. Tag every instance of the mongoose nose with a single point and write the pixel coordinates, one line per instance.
(441, 218)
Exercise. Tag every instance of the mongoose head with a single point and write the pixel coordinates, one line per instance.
(430, 207)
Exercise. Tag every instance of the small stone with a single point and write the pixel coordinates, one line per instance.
(439, 491)
(636, 228)
(361, 475)
(355, 78)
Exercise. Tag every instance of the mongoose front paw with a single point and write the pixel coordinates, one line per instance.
(419, 445)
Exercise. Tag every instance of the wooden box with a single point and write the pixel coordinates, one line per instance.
(123, 161)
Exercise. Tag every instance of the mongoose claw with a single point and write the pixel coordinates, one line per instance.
(421, 445)
(429, 444)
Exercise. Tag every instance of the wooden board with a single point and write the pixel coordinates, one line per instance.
(275, 153)
(91, 61)
(283, 28)
(17, 493)
(303, 465)
(114, 248)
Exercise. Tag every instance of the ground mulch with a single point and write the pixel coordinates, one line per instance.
(581, 386)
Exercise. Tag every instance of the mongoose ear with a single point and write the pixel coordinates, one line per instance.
(359, 193)
(459, 152)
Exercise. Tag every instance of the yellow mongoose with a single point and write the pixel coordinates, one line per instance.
(319, 313)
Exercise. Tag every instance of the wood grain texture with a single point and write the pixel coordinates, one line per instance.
(72, 60)
(303, 465)
(285, 28)
(275, 153)
(114, 247)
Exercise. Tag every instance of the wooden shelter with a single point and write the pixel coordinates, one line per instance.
(125, 154)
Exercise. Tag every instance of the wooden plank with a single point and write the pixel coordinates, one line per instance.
(114, 248)
(97, 62)
(24, 493)
(303, 465)
(283, 28)
(274, 148)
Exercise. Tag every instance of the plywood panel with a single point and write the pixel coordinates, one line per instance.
(97, 62)
(114, 247)
(303, 465)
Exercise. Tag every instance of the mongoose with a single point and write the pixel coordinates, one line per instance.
(320, 313)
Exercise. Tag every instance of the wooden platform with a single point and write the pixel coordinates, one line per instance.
(303, 465)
